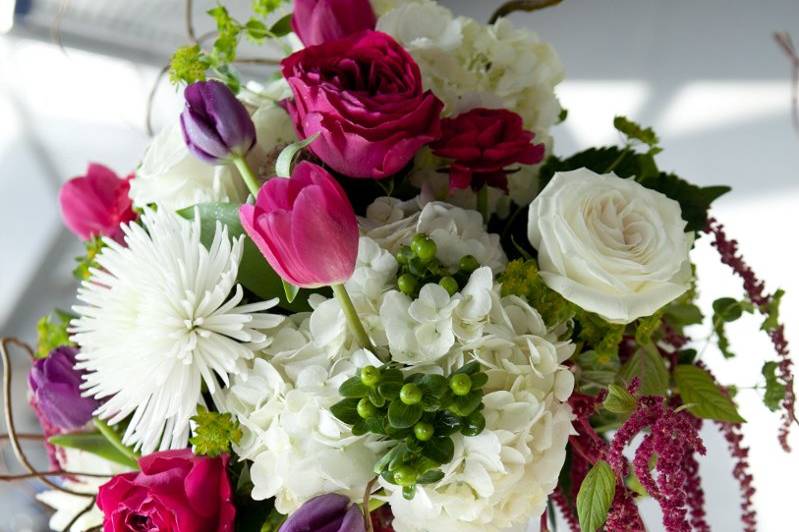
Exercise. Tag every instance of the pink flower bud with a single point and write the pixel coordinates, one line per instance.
(305, 227)
(97, 203)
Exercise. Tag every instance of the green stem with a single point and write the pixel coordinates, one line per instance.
(482, 202)
(114, 439)
(352, 316)
(618, 160)
(247, 175)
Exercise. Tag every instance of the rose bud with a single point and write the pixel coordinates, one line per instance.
(363, 96)
(326, 513)
(305, 227)
(55, 391)
(483, 143)
(174, 491)
(319, 21)
(216, 126)
(97, 203)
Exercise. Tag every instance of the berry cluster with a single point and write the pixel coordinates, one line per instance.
(419, 266)
(420, 412)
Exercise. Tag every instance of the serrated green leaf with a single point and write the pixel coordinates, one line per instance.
(94, 443)
(704, 397)
(775, 390)
(402, 416)
(619, 400)
(595, 496)
(694, 201)
(772, 312)
(634, 131)
(647, 364)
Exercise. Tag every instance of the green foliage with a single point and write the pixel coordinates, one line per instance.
(85, 263)
(647, 364)
(694, 200)
(521, 278)
(727, 310)
(775, 389)
(703, 396)
(254, 274)
(646, 327)
(94, 443)
(214, 433)
(595, 496)
(417, 414)
(51, 332)
(187, 65)
(683, 314)
(619, 400)
(635, 132)
(772, 312)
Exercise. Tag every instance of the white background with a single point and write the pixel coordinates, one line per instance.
(707, 75)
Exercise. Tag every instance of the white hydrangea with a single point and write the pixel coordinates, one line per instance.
(456, 232)
(298, 448)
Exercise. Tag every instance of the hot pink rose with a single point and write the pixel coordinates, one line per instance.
(305, 227)
(175, 491)
(97, 203)
(363, 95)
(320, 21)
(483, 143)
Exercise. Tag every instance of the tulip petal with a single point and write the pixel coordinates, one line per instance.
(316, 513)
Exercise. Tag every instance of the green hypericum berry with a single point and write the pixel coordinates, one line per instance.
(449, 284)
(366, 409)
(423, 431)
(468, 264)
(460, 384)
(411, 394)
(417, 267)
(408, 284)
(370, 375)
(405, 476)
(417, 240)
(425, 250)
(404, 255)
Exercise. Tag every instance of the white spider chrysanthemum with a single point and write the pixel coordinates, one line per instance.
(158, 320)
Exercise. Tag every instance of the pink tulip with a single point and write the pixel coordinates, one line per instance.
(97, 203)
(305, 227)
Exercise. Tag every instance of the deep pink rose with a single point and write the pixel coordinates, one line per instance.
(97, 203)
(320, 21)
(363, 95)
(175, 491)
(483, 143)
(305, 227)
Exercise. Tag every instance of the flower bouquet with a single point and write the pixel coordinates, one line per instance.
(367, 295)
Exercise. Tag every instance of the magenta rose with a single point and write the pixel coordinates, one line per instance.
(363, 95)
(175, 491)
(320, 21)
(483, 144)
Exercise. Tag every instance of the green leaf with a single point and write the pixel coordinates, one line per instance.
(265, 7)
(728, 309)
(595, 497)
(469, 369)
(647, 364)
(683, 314)
(353, 388)
(347, 411)
(94, 443)
(440, 450)
(282, 27)
(434, 385)
(285, 160)
(465, 405)
(694, 201)
(187, 65)
(255, 274)
(431, 476)
(402, 416)
(619, 400)
(772, 312)
(704, 397)
(634, 131)
(51, 333)
(775, 390)
(256, 31)
(214, 432)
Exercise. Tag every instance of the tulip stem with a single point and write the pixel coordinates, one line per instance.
(114, 439)
(482, 202)
(247, 175)
(352, 316)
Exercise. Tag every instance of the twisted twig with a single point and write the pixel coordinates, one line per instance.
(786, 43)
(80, 514)
(367, 518)
(520, 5)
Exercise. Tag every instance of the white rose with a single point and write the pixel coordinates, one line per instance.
(610, 245)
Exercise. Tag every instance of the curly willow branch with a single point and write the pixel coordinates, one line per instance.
(786, 43)
(521, 5)
(9, 418)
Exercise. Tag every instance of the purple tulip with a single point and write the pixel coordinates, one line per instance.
(55, 389)
(216, 126)
(326, 513)
(320, 21)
